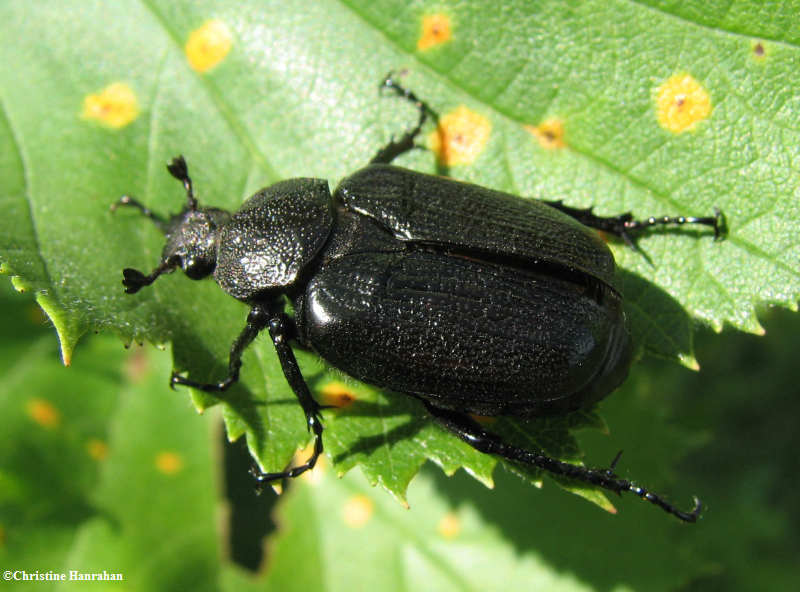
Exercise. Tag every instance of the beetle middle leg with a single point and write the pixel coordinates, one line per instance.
(406, 142)
(474, 435)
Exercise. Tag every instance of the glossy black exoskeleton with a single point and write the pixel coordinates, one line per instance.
(469, 299)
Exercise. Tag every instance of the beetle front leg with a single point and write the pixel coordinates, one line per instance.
(474, 435)
(281, 329)
(257, 319)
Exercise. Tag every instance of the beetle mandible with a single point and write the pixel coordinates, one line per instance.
(471, 300)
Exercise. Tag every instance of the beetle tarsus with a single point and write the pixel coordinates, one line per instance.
(720, 225)
(208, 387)
(657, 500)
(624, 225)
(263, 479)
(406, 142)
(713, 221)
(612, 483)
(314, 424)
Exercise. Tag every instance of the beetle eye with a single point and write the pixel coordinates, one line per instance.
(197, 268)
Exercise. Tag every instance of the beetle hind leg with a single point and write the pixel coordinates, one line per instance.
(474, 435)
(406, 142)
(625, 226)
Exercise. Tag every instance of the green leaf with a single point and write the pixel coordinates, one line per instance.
(297, 96)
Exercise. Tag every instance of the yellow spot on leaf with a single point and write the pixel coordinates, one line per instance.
(435, 31)
(97, 449)
(43, 413)
(682, 103)
(449, 526)
(460, 137)
(115, 106)
(208, 45)
(357, 511)
(549, 133)
(169, 463)
(336, 394)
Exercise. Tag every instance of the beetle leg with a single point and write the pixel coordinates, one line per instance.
(256, 321)
(280, 330)
(406, 142)
(474, 435)
(624, 224)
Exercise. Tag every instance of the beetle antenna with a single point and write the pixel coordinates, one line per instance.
(178, 168)
(134, 280)
(128, 201)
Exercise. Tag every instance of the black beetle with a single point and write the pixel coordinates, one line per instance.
(471, 300)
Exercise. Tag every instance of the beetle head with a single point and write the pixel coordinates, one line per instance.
(192, 241)
(191, 245)
(191, 236)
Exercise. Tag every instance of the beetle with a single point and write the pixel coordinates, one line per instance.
(471, 300)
